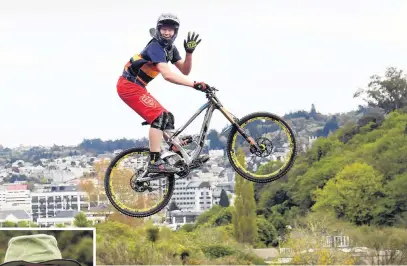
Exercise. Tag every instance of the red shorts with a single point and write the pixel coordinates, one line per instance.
(139, 99)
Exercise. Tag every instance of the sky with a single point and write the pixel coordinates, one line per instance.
(60, 61)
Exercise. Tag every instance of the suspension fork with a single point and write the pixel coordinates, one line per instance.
(233, 120)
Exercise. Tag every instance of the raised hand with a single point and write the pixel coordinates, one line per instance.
(191, 42)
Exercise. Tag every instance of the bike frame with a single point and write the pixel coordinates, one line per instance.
(211, 105)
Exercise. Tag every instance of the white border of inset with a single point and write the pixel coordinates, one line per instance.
(57, 229)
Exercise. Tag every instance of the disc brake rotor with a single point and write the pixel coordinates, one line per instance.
(265, 145)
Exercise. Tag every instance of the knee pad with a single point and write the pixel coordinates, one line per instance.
(171, 122)
(165, 121)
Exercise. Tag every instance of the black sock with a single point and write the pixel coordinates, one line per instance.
(154, 156)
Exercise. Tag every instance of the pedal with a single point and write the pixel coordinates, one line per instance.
(203, 158)
(199, 161)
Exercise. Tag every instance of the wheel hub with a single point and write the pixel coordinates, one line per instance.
(265, 146)
(139, 186)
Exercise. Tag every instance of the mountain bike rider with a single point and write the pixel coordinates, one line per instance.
(143, 67)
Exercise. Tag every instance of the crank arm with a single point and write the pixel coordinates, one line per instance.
(158, 187)
(150, 177)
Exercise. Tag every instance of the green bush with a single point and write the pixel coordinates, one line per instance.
(217, 251)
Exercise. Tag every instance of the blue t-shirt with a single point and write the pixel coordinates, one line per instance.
(142, 67)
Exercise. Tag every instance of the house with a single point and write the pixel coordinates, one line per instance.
(14, 216)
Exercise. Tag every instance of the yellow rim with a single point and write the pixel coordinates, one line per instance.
(237, 163)
(117, 201)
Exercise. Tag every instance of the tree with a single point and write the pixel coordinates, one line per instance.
(30, 186)
(81, 220)
(214, 141)
(173, 206)
(376, 118)
(389, 93)
(224, 200)
(330, 126)
(116, 216)
(100, 168)
(244, 214)
(353, 193)
(313, 110)
(23, 224)
(88, 186)
(267, 232)
(153, 234)
(9, 224)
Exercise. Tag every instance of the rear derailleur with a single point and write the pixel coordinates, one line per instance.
(140, 186)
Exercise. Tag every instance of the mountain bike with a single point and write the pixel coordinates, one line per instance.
(259, 146)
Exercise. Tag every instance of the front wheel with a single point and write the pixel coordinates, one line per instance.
(126, 194)
(277, 149)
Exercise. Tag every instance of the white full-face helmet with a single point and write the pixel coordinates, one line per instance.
(167, 19)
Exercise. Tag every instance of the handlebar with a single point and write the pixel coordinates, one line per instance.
(210, 89)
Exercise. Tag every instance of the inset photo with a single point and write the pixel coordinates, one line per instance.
(59, 246)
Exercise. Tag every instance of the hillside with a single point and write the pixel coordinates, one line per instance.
(124, 244)
(357, 176)
(358, 173)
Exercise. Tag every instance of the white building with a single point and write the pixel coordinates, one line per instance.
(193, 195)
(177, 218)
(208, 176)
(47, 204)
(15, 197)
(216, 153)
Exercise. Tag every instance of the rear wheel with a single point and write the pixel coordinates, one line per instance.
(126, 194)
(277, 149)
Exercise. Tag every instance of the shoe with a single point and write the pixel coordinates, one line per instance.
(162, 167)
